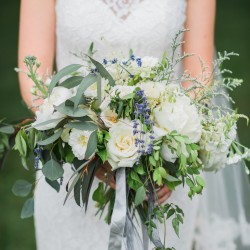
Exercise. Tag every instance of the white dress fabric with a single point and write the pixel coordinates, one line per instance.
(115, 26)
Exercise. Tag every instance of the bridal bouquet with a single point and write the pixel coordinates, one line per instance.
(132, 113)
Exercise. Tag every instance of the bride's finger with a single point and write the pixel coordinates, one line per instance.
(162, 191)
(106, 176)
(164, 198)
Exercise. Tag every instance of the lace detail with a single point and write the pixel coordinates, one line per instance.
(122, 8)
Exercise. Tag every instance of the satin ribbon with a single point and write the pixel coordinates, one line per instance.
(122, 229)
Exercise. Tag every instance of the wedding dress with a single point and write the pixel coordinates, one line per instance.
(115, 26)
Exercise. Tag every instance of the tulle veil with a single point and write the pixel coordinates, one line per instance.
(224, 217)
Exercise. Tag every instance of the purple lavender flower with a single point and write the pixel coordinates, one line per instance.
(142, 113)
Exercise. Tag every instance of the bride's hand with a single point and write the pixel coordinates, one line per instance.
(105, 174)
(163, 193)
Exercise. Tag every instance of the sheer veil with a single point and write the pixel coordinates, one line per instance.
(224, 221)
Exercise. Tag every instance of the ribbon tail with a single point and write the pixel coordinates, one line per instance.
(119, 215)
(155, 238)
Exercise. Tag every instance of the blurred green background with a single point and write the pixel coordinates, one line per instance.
(232, 34)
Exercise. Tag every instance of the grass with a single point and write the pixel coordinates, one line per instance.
(232, 26)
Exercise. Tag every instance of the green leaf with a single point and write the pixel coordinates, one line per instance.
(21, 188)
(189, 182)
(179, 217)
(170, 213)
(70, 111)
(99, 194)
(200, 181)
(175, 223)
(172, 178)
(72, 82)
(89, 126)
(20, 144)
(7, 130)
(28, 208)
(52, 170)
(92, 145)
(86, 82)
(152, 161)
(51, 139)
(140, 195)
(163, 172)
(103, 72)
(53, 184)
(71, 187)
(157, 176)
(103, 154)
(62, 73)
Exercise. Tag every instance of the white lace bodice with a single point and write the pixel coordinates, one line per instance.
(148, 27)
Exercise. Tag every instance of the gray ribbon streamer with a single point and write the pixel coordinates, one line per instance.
(151, 205)
(119, 215)
(122, 229)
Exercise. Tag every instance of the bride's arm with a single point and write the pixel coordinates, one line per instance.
(36, 37)
(200, 39)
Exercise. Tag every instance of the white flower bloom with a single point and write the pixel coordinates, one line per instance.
(119, 75)
(59, 95)
(46, 111)
(65, 135)
(121, 148)
(147, 66)
(78, 140)
(234, 159)
(108, 116)
(181, 116)
(152, 90)
(159, 132)
(215, 144)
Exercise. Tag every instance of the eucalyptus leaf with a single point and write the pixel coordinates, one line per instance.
(51, 139)
(70, 111)
(21, 188)
(47, 122)
(7, 129)
(87, 126)
(72, 187)
(103, 72)
(92, 145)
(85, 83)
(53, 184)
(72, 82)
(52, 170)
(28, 208)
(62, 73)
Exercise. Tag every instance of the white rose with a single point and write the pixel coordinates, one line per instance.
(121, 148)
(78, 140)
(152, 90)
(181, 116)
(46, 111)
